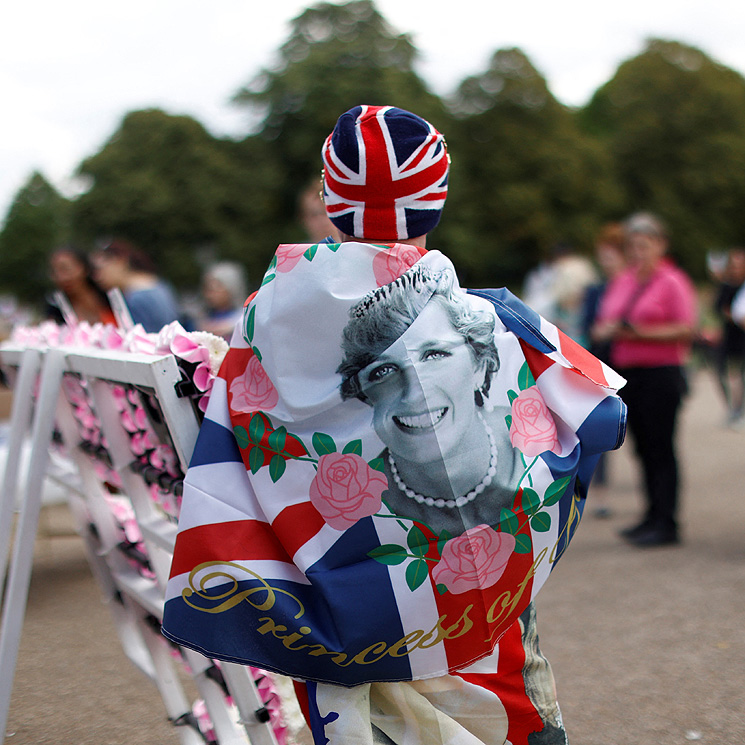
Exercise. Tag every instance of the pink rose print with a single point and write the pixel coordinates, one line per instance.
(288, 254)
(253, 391)
(346, 489)
(475, 559)
(392, 263)
(533, 430)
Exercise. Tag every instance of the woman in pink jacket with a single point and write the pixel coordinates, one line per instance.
(649, 314)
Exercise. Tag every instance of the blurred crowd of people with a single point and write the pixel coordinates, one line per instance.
(83, 283)
(635, 309)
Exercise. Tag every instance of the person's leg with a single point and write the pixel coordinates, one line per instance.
(660, 402)
(633, 395)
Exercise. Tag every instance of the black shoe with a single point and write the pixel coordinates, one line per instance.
(636, 530)
(655, 537)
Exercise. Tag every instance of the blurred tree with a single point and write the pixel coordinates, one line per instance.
(523, 177)
(336, 56)
(37, 222)
(166, 184)
(673, 120)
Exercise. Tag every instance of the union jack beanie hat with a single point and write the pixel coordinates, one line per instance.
(385, 174)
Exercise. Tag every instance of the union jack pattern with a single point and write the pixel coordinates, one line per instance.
(385, 174)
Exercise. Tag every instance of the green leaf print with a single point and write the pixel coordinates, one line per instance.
(250, 324)
(276, 440)
(323, 444)
(256, 429)
(416, 573)
(508, 521)
(525, 377)
(531, 501)
(277, 467)
(417, 541)
(389, 554)
(255, 459)
(541, 522)
(354, 447)
(241, 437)
(555, 491)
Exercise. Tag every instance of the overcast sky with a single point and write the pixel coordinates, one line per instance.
(70, 70)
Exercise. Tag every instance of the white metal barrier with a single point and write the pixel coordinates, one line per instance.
(112, 390)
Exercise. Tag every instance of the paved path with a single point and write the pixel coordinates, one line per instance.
(648, 646)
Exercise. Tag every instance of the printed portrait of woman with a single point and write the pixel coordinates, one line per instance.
(424, 359)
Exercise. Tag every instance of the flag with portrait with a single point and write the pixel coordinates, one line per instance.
(388, 471)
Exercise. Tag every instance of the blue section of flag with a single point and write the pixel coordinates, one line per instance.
(596, 433)
(521, 320)
(215, 444)
(299, 627)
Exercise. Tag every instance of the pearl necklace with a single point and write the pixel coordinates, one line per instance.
(460, 501)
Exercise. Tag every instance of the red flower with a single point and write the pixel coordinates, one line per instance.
(288, 254)
(476, 559)
(533, 430)
(346, 489)
(392, 262)
(252, 390)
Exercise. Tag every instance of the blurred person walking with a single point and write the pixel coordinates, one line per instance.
(648, 313)
(150, 300)
(223, 290)
(611, 260)
(730, 349)
(72, 274)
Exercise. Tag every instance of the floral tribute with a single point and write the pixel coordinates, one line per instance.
(198, 355)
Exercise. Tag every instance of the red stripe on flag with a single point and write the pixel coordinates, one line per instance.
(296, 525)
(537, 361)
(238, 540)
(588, 364)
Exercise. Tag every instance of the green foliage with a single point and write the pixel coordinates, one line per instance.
(37, 223)
(523, 177)
(666, 133)
(336, 57)
(673, 121)
(165, 183)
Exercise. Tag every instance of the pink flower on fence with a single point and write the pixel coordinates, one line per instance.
(533, 430)
(392, 263)
(253, 391)
(288, 255)
(346, 489)
(475, 559)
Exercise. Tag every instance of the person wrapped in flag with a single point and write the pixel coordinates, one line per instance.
(389, 468)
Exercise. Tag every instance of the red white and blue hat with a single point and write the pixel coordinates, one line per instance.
(385, 174)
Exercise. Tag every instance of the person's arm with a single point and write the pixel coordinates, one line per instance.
(737, 308)
(680, 298)
(664, 332)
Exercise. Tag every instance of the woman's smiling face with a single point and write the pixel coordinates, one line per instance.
(421, 389)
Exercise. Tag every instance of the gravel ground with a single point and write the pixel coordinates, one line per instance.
(647, 645)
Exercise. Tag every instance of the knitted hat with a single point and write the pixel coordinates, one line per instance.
(385, 174)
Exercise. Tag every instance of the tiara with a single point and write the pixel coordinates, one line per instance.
(413, 279)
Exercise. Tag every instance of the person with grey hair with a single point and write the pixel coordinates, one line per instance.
(223, 290)
(648, 314)
(431, 408)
